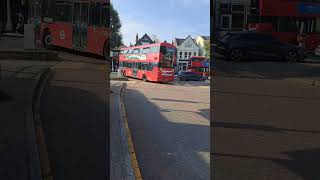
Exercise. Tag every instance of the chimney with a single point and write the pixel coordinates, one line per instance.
(137, 38)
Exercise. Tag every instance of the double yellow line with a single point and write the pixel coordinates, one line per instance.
(40, 136)
(133, 156)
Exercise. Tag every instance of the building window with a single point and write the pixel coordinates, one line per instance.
(189, 54)
(225, 7)
(226, 21)
(195, 53)
(185, 55)
(237, 8)
(63, 12)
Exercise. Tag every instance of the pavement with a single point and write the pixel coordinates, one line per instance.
(266, 121)
(120, 159)
(169, 125)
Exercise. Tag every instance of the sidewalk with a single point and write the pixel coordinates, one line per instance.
(120, 163)
(312, 58)
(12, 47)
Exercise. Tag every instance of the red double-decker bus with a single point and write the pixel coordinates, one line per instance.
(150, 62)
(82, 25)
(199, 65)
(286, 19)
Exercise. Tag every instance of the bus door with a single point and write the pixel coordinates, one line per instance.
(80, 25)
(134, 69)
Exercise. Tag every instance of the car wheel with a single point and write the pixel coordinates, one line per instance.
(292, 56)
(236, 55)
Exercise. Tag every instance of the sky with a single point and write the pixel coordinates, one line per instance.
(167, 19)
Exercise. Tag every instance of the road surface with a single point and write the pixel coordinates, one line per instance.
(169, 124)
(75, 114)
(266, 121)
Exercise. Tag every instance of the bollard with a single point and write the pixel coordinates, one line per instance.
(119, 73)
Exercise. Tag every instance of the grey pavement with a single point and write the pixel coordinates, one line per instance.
(17, 83)
(120, 162)
(266, 122)
(11, 43)
(74, 110)
(169, 125)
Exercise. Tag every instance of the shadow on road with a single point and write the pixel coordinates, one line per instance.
(304, 163)
(176, 147)
(4, 97)
(76, 129)
(258, 127)
(174, 100)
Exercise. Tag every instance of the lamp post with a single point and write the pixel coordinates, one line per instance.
(9, 21)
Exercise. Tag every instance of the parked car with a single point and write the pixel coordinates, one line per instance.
(248, 45)
(186, 76)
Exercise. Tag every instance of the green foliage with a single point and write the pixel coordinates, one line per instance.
(207, 49)
(115, 25)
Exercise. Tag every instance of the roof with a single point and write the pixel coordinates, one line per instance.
(181, 40)
(145, 37)
(206, 37)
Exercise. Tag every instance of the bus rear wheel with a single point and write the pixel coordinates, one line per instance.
(144, 78)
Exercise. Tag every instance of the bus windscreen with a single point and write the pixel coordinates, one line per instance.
(168, 57)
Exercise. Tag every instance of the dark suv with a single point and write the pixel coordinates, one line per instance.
(186, 76)
(241, 45)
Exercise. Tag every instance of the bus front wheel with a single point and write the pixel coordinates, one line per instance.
(47, 39)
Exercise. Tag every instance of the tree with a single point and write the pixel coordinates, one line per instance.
(207, 49)
(115, 25)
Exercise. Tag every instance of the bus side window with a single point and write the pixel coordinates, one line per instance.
(154, 49)
(146, 50)
(135, 51)
(95, 13)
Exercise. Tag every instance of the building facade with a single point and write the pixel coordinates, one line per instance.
(186, 48)
(9, 14)
(231, 15)
(201, 40)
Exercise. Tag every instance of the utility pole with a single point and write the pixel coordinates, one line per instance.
(9, 21)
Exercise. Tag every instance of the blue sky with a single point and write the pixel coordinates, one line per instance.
(166, 19)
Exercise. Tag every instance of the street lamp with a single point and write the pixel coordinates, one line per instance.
(9, 21)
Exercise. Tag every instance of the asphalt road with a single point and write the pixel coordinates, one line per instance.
(266, 121)
(74, 111)
(18, 79)
(169, 124)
